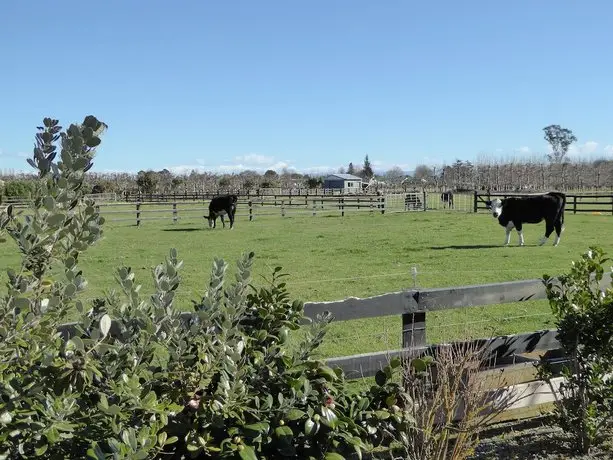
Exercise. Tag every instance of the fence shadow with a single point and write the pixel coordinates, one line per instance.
(187, 229)
(468, 246)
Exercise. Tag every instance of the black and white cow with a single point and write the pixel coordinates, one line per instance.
(447, 197)
(513, 212)
(219, 207)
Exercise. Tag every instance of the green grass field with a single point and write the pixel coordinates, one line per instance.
(361, 254)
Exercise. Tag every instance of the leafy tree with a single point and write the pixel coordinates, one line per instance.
(367, 172)
(350, 168)
(314, 182)
(560, 139)
(147, 181)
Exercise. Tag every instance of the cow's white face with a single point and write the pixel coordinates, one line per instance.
(496, 207)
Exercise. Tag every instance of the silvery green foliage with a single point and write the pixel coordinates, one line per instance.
(583, 313)
(131, 377)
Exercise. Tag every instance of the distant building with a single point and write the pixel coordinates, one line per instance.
(348, 183)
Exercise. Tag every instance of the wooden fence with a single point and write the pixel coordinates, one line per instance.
(318, 205)
(256, 207)
(585, 202)
(514, 355)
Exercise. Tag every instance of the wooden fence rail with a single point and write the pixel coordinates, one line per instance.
(592, 202)
(262, 206)
(509, 351)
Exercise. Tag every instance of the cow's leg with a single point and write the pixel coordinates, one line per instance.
(231, 217)
(518, 226)
(508, 229)
(222, 221)
(558, 226)
(548, 231)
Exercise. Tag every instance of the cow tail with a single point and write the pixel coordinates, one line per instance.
(561, 213)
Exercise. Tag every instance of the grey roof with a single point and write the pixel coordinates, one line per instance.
(344, 176)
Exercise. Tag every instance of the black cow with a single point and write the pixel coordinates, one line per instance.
(219, 207)
(516, 211)
(447, 197)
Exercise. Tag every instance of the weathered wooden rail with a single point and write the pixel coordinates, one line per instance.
(251, 209)
(584, 202)
(514, 355)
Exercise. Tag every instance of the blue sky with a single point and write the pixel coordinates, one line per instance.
(311, 85)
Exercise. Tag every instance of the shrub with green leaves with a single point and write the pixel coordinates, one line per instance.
(584, 318)
(131, 377)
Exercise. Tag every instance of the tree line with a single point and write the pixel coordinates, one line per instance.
(551, 171)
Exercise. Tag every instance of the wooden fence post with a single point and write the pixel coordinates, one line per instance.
(174, 212)
(138, 214)
(575, 204)
(371, 205)
(425, 198)
(250, 210)
(382, 204)
(475, 201)
(341, 205)
(314, 207)
(414, 329)
(282, 208)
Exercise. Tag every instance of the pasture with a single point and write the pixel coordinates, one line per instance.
(361, 254)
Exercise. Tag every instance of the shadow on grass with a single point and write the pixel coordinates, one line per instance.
(468, 246)
(187, 229)
(482, 246)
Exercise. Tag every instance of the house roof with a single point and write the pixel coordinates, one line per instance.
(344, 176)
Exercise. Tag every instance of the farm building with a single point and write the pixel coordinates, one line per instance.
(346, 182)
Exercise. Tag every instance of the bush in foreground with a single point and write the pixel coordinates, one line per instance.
(584, 314)
(151, 382)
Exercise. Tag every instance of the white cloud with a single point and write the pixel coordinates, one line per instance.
(254, 159)
(251, 161)
(586, 148)
(608, 150)
(239, 167)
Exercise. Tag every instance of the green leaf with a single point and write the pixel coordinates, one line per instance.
(39, 451)
(382, 414)
(333, 456)
(419, 364)
(327, 373)
(105, 325)
(247, 453)
(283, 431)
(6, 418)
(259, 427)
(49, 203)
(295, 414)
(70, 290)
(56, 220)
(309, 427)
(328, 417)
(78, 343)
